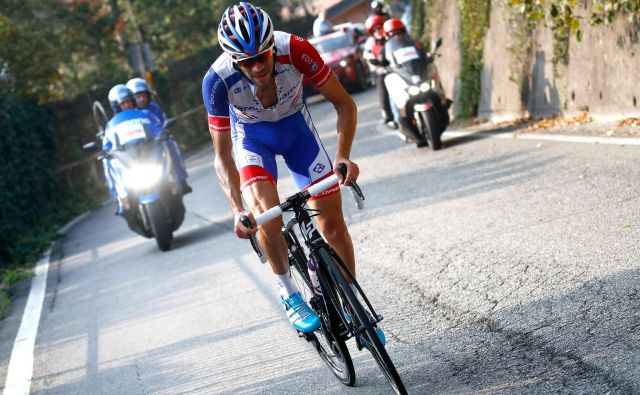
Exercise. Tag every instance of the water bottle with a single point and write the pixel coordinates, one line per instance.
(314, 276)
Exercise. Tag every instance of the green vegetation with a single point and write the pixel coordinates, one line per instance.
(474, 15)
(564, 17)
(422, 21)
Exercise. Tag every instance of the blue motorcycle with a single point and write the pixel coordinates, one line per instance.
(139, 166)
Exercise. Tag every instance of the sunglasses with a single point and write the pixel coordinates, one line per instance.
(259, 58)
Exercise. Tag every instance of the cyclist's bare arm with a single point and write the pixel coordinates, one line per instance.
(347, 120)
(229, 180)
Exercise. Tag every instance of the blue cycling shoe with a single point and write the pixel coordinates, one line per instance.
(301, 316)
(379, 332)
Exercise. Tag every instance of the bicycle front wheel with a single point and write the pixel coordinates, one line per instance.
(332, 350)
(363, 325)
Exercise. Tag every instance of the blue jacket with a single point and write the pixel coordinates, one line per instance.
(130, 125)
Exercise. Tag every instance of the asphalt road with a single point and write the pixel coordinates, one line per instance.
(504, 266)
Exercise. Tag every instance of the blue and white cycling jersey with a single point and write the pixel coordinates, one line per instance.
(285, 129)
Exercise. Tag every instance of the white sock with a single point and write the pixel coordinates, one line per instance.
(287, 287)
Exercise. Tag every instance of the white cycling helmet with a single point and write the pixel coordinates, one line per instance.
(245, 31)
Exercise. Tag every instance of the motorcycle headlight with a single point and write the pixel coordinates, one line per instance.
(425, 86)
(343, 63)
(413, 90)
(141, 177)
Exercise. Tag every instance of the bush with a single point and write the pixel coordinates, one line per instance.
(32, 203)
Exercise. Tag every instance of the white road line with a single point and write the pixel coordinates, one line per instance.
(20, 370)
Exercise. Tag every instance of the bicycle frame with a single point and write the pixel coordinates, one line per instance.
(336, 282)
(316, 243)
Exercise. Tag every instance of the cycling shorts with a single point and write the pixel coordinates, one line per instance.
(295, 138)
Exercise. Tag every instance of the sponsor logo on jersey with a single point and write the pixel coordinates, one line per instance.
(252, 158)
(319, 168)
(307, 59)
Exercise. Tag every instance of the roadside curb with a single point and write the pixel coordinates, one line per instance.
(493, 133)
(20, 365)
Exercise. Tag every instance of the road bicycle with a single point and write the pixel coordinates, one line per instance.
(344, 313)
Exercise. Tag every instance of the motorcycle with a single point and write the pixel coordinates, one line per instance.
(415, 89)
(150, 199)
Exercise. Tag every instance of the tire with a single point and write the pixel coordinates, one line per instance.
(178, 212)
(331, 348)
(432, 128)
(362, 319)
(159, 226)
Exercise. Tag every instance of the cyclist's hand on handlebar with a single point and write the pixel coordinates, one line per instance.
(352, 171)
(240, 229)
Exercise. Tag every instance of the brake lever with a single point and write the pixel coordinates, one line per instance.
(354, 188)
(254, 240)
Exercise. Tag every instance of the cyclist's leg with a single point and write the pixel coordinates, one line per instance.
(258, 174)
(261, 196)
(309, 163)
(333, 227)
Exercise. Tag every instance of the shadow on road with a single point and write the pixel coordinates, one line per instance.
(201, 233)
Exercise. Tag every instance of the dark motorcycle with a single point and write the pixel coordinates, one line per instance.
(414, 86)
(150, 198)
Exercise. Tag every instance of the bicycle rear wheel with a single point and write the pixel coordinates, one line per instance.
(363, 325)
(331, 349)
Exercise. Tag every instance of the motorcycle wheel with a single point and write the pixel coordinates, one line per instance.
(432, 129)
(159, 226)
(178, 212)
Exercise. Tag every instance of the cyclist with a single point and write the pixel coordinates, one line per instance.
(372, 51)
(141, 92)
(253, 95)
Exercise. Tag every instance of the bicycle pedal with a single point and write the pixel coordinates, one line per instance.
(308, 336)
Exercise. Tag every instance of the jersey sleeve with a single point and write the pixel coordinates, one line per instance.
(216, 100)
(306, 59)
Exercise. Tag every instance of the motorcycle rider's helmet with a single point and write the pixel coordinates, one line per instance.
(393, 26)
(117, 95)
(372, 22)
(138, 85)
(245, 31)
(379, 8)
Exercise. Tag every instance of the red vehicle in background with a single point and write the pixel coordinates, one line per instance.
(342, 51)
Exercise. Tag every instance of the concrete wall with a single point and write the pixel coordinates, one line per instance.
(448, 28)
(518, 78)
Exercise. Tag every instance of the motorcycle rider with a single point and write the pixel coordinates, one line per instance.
(142, 94)
(144, 101)
(253, 96)
(398, 38)
(121, 99)
(380, 8)
(371, 52)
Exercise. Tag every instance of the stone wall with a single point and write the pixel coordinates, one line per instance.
(518, 79)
